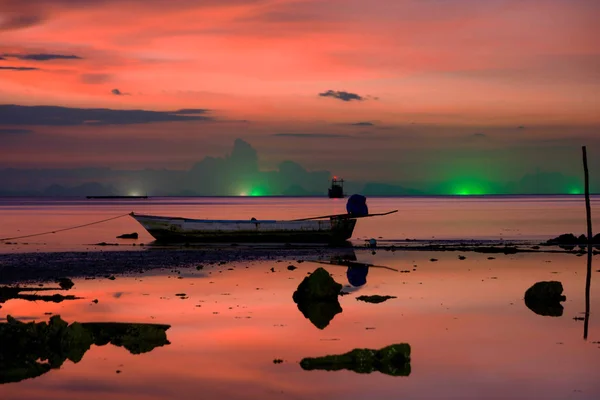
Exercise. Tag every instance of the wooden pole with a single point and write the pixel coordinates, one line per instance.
(588, 278)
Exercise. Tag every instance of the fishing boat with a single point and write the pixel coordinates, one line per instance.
(324, 229)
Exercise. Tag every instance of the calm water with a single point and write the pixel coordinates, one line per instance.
(471, 335)
(514, 218)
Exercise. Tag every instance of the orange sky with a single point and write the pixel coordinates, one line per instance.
(498, 63)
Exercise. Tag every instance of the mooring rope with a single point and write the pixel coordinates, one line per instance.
(64, 229)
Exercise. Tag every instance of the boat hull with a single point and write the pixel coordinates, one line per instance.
(182, 230)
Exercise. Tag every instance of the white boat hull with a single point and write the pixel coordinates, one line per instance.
(171, 229)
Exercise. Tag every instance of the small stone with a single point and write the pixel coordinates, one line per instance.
(65, 283)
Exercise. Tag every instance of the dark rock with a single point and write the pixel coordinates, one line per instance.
(8, 293)
(433, 259)
(494, 250)
(317, 298)
(277, 361)
(65, 283)
(568, 241)
(392, 360)
(320, 313)
(32, 349)
(133, 235)
(199, 267)
(544, 298)
(291, 267)
(112, 278)
(565, 238)
(462, 257)
(375, 298)
(318, 286)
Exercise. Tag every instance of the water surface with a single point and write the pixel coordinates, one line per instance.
(527, 218)
(472, 337)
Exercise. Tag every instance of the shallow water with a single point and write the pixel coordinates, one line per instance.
(426, 218)
(472, 337)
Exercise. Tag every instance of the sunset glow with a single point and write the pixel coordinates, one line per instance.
(404, 87)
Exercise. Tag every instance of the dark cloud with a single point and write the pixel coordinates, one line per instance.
(363, 124)
(11, 114)
(43, 57)
(310, 135)
(19, 21)
(19, 68)
(9, 131)
(341, 95)
(94, 79)
(190, 111)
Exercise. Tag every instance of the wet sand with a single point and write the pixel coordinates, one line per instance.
(44, 266)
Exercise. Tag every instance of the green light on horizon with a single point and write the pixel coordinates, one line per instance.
(257, 192)
(468, 190)
(254, 192)
(575, 191)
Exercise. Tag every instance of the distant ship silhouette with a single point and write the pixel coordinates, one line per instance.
(336, 191)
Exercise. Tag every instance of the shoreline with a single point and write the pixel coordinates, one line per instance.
(49, 266)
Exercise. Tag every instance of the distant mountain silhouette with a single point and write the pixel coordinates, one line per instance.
(238, 173)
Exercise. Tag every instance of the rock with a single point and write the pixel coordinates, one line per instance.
(462, 258)
(277, 361)
(317, 298)
(32, 349)
(544, 298)
(133, 235)
(320, 313)
(65, 283)
(565, 238)
(433, 259)
(492, 249)
(8, 293)
(392, 360)
(291, 267)
(568, 241)
(318, 286)
(375, 299)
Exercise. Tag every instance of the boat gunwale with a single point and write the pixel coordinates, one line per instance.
(231, 221)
